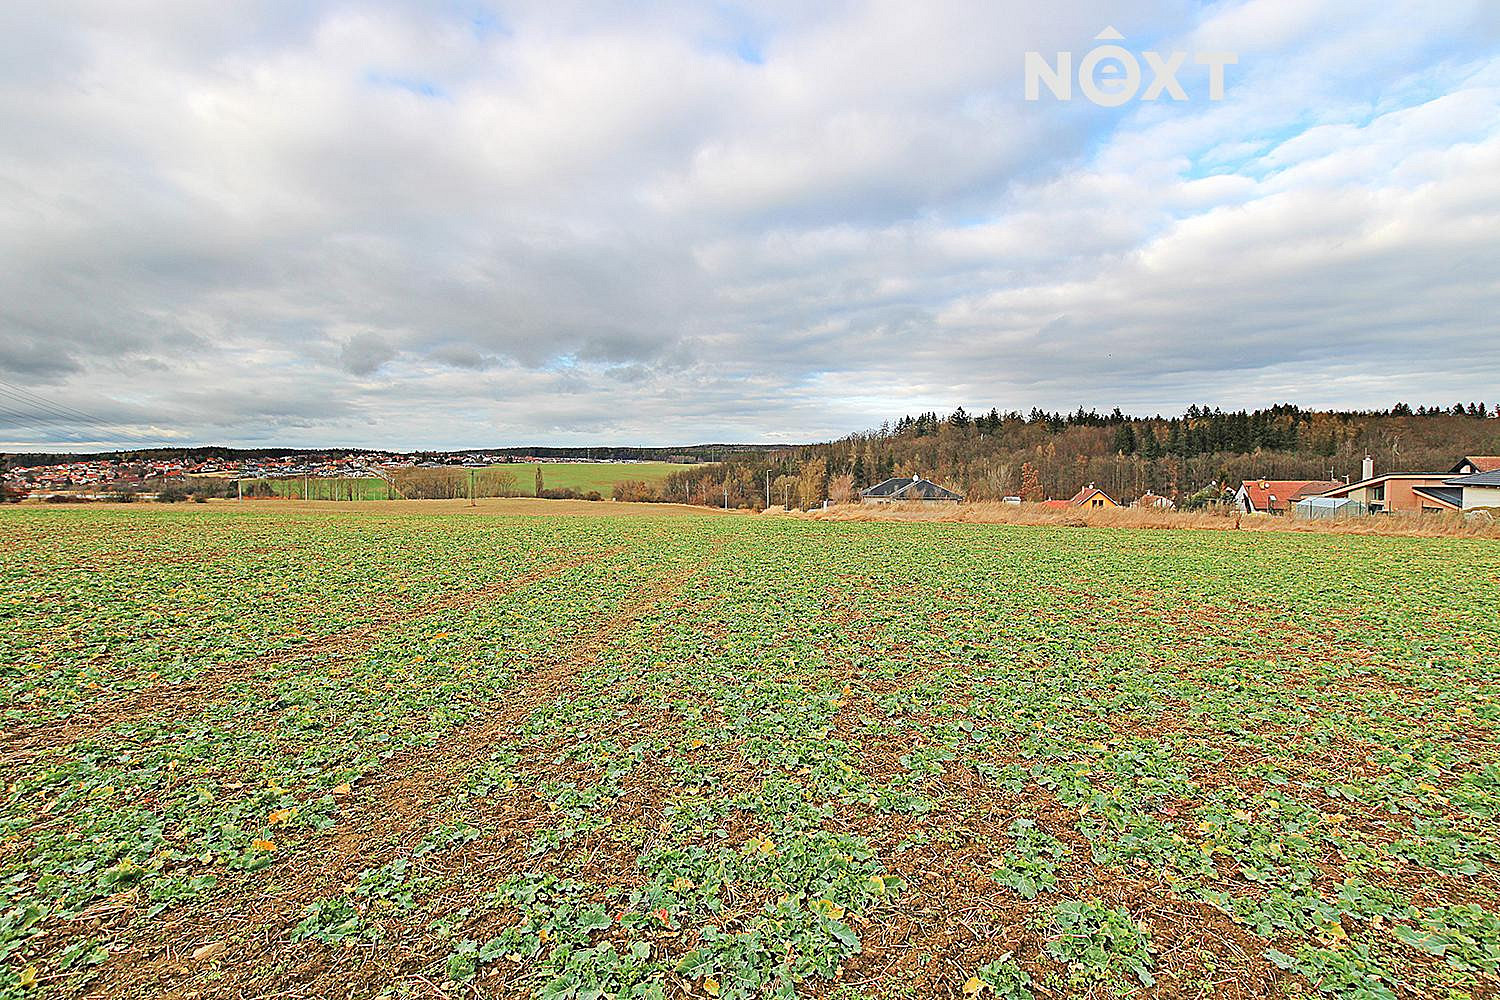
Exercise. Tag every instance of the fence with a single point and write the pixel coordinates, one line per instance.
(1326, 508)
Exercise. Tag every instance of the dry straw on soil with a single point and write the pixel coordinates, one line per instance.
(1426, 526)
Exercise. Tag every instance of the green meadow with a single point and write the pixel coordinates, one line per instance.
(580, 476)
(586, 476)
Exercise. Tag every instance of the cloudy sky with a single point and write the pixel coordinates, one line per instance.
(452, 224)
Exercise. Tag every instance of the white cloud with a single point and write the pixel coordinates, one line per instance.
(376, 223)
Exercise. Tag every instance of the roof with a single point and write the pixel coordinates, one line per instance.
(1491, 478)
(1063, 504)
(1149, 499)
(885, 489)
(1086, 492)
(1326, 501)
(1285, 491)
(1436, 479)
(914, 488)
(1484, 463)
(926, 490)
(1449, 496)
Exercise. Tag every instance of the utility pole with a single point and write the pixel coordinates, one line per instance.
(726, 493)
(471, 488)
(768, 487)
(239, 485)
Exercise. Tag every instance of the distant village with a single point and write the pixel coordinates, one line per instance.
(109, 478)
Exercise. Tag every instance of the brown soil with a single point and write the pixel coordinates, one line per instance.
(22, 743)
(488, 506)
(252, 916)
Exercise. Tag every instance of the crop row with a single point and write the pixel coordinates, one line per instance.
(743, 758)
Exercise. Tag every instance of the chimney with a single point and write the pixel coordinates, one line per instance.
(1369, 468)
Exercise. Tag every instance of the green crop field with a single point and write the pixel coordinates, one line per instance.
(586, 476)
(580, 476)
(302, 754)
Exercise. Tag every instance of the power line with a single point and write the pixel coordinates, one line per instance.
(18, 419)
(32, 417)
(33, 398)
(37, 400)
(41, 413)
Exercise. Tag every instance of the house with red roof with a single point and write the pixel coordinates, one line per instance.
(1472, 464)
(1093, 498)
(1090, 497)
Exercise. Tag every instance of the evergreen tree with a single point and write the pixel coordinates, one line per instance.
(1125, 440)
(1150, 446)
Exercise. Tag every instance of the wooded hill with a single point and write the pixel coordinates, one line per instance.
(1200, 452)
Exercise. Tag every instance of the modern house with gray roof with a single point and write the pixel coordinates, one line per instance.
(913, 490)
(1480, 490)
(1442, 497)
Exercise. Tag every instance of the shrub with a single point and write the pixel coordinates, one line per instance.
(637, 491)
(568, 493)
(210, 487)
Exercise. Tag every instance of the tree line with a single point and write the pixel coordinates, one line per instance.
(996, 454)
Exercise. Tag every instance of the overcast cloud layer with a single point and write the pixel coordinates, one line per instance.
(455, 224)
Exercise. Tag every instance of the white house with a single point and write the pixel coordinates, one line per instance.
(1481, 490)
